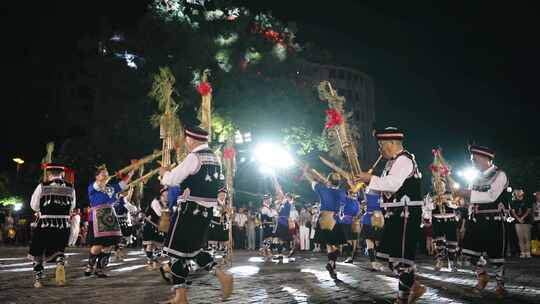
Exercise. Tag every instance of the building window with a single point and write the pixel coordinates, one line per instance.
(332, 73)
(355, 77)
(341, 74)
(356, 96)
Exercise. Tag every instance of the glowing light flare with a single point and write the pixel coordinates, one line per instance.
(267, 170)
(17, 206)
(470, 174)
(244, 271)
(273, 156)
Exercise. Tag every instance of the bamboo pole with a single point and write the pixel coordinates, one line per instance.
(230, 167)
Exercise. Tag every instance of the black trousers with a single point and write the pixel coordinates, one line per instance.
(485, 243)
(445, 237)
(401, 234)
(189, 231)
(485, 236)
(180, 268)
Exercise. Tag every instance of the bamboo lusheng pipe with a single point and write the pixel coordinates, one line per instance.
(443, 199)
(354, 187)
(342, 130)
(137, 164)
(314, 173)
(141, 179)
(230, 169)
(206, 106)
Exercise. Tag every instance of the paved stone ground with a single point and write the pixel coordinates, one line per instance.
(302, 281)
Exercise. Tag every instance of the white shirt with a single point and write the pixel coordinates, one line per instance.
(156, 206)
(36, 196)
(76, 221)
(189, 166)
(401, 168)
(497, 187)
(267, 211)
(240, 219)
(130, 207)
(294, 214)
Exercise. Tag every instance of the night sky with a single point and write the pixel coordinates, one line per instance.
(447, 72)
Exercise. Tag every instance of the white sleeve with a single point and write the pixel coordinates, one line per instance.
(74, 201)
(34, 201)
(401, 169)
(122, 184)
(156, 206)
(313, 184)
(131, 208)
(497, 187)
(180, 172)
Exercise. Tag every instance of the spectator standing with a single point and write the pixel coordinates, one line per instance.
(521, 211)
(305, 225)
(250, 228)
(240, 220)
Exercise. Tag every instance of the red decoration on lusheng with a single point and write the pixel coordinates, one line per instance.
(70, 175)
(229, 153)
(444, 171)
(122, 176)
(435, 152)
(434, 169)
(44, 166)
(334, 118)
(204, 88)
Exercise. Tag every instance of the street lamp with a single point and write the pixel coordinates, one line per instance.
(19, 162)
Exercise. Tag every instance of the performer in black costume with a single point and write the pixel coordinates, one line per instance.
(400, 187)
(53, 201)
(218, 233)
(152, 237)
(268, 216)
(199, 178)
(484, 240)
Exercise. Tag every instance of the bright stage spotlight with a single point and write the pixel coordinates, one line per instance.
(273, 156)
(267, 170)
(470, 174)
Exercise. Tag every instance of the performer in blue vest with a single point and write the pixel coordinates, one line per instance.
(328, 231)
(52, 200)
(484, 235)
(199, 178)
(104, 230)
(284, 220)
(350, 212)
(372, 228)
(400, 187)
